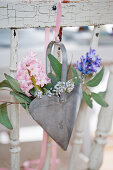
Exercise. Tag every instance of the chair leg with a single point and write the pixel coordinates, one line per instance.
(103, 128)
(14, 115)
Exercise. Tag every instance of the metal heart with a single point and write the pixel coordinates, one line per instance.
(57, 117)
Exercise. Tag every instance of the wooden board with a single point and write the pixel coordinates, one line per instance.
(40, 13)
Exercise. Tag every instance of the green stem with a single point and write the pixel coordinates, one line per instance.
(3, 101)
(82, 76)
(21, 97)
(34, 83)
(4, 89)
(87, 88)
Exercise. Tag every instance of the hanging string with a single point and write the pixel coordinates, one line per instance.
(58, 21)
(46, 42)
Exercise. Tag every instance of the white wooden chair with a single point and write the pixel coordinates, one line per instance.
(40, 13)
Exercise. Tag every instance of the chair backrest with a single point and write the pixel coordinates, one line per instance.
(17, 14)
(41, 13)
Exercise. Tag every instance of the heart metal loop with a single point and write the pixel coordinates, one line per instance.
(64, 58)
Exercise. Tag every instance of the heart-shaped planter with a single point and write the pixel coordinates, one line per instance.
(56, 115)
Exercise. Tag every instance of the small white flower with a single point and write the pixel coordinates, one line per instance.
(59, 88)
(48, 93)
(69, 86)
(38, 94)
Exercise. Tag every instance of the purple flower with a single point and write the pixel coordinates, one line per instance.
(89, 63)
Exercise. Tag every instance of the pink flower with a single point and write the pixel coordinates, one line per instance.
(30, 67)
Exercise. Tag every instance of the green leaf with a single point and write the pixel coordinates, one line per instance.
(23, 99)
(97, 79)
(27, 108)
(53, 78)
(48, 86)
(102, 94)
(68, 71)
(4, 120)
(99, 99)
(32, 91)
(23, 96)
(56, 65)
(87, 99)
(5, 83)
(74, 73)
(13, 83)
(77, 82)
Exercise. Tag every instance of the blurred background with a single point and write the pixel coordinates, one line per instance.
(77, 41)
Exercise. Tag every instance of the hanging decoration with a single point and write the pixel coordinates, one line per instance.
(50, 97)
(56, 111)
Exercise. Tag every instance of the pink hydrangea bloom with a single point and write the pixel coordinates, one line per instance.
(28, 67)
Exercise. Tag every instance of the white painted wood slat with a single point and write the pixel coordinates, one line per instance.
(103, 127)
(40, 13)
(78, 136)
(81, 117)
(14, 114)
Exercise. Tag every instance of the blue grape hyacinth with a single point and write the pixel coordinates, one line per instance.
(89, 63)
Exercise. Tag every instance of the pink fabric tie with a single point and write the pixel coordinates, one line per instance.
(56, 38)
(47, 33)
(58, 21)
(40, 162)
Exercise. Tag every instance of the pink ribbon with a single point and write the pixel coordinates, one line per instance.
(47, 33)
(53, 155)
(44, 143)
(40, 162)
(43, 150)
(28, 164)
(58, 21)
(56, 38)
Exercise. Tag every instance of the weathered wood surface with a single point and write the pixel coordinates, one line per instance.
(40, 13)
(14, 114)
(103, 127)
(78, 137)
(81, 117)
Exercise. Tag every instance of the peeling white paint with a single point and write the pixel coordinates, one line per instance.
(41, 13)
